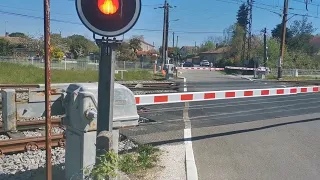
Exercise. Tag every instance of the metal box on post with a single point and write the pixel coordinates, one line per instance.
(80, 102)
(170, 70)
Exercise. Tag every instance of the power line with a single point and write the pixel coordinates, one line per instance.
(76, 23)
(34, 10)
(309, 3)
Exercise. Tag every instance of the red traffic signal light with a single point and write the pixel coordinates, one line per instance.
(108, 6)
(108, 17)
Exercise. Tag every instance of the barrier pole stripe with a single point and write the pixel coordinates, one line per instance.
(230, 94)
(215, 95)
(158, 99)
(199, 68)
(293, 90)
(137, 100)
(248, 93)
(265, 92)
(186, 97)
(280, 91)
(209, 95)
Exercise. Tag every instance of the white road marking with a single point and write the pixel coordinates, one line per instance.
(191, 168)
(192, 173)
(185, 84)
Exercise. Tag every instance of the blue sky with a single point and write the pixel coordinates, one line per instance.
(197, 21)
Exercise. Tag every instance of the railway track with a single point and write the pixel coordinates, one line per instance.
(2, 86)
(29, 143)
(31, 125)
(18, 143)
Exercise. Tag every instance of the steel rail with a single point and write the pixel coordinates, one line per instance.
(29, 125)
(28, 144)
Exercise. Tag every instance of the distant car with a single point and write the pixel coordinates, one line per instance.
(205, 63)
(188, 64)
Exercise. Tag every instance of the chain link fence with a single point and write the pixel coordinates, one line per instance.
(79, 64)
(298, 72)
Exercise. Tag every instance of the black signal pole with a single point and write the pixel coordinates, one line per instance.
(265, 56)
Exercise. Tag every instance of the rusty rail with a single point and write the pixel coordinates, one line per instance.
(19, 86)
(29, 125)
(153, 86)
(32, 143)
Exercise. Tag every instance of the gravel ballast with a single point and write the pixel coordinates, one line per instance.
(30, 165)
(23, 166)
(4, 137)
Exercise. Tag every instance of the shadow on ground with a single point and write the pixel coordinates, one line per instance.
(196, 138)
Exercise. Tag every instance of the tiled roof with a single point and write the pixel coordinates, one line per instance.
(217, 51)
(188, 47)
(315, 40)
(13, 40)
(150, 52)
(142, 41)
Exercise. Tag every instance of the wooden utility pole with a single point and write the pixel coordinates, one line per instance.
(250, 4)
(165, 30)
(283, 38)
(173, 40)
(265, 56)
(177, 41)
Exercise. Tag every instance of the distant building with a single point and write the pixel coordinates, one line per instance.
(188, 50)
(146, 46)
(213, 55)
(147, 49)
(20, 46)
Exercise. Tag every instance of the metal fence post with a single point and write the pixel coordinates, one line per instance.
(9, 112)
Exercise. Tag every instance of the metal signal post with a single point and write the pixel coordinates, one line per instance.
(107, 18)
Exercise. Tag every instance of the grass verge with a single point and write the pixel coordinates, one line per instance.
(11, 73)
(291, 78)
(135, 163)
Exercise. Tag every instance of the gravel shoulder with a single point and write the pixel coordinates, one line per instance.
(171, 164)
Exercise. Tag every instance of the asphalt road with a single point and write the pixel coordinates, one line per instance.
(249, 138)
(213, 80)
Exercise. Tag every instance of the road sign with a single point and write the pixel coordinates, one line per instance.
(108, 17)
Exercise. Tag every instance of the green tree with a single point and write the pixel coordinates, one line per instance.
(80, 46)
(302, 26)
(58, 41)
(237, 43)
(135, 43)
(207, 46)
(18, 34)
(57, 53)
(242, 15)
(277, 33)
(302, 34)
(6, 49)
(126, 53)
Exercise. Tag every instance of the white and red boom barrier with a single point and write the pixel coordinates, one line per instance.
(217, 95)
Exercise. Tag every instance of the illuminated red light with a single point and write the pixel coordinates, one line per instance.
(108, 7)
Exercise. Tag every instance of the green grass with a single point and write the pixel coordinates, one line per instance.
(144, 158)
(291, 78)
(11, 73)
(135, 163)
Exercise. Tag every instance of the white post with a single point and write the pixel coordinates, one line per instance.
(65, 64)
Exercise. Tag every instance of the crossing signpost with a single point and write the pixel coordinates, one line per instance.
(108, 19)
